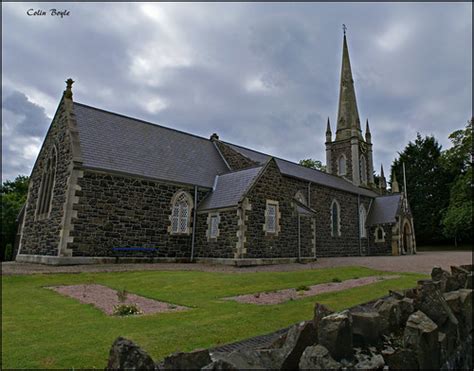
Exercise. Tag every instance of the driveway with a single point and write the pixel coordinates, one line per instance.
(422, 262)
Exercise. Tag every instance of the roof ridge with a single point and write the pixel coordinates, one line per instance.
(142, 121)
(294, 163)
(247, 168)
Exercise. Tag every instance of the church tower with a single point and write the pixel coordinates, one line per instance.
(349, 155)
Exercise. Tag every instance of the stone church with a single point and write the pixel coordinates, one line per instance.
(106, 187)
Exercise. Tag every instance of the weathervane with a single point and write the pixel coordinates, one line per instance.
(344, 28)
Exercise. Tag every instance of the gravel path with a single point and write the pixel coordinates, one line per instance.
(280, 296)
(422, 262)
(106, 299)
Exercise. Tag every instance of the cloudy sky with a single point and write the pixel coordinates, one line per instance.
(262, 75)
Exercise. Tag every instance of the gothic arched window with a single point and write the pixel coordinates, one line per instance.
(335, 219)
(363, 170)
(362, 219)
(46, 190)
(301, 198)
(182, 204)
(341, 165)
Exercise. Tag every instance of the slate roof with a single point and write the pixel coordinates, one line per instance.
(114, 142)
(384, 209)
(297, 171)
(230, 188)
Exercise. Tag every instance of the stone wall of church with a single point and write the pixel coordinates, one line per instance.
(224, 246)
(41, 237)
(259, 244)
(116, 211)
(337, 149)
(235, 160)
(380, 247)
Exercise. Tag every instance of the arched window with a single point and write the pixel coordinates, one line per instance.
(46, 190)
(341, 165)
(362, 218)
(182, 204)
(363, 170)
(335, 219)
(379, 234)
(299, 196)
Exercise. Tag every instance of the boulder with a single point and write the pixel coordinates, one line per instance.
(299, 337)
(443, 347)
(431, 302)
(185, 361)
(219, 364)
(390, 314)
(401, 359)
(317, 357)
(421, 335)
(125, 354)
(407, 307)
(396, 294)
(440, 275)
(320, 311)
(336, 334)
(467, 267)
(366, 327)
(460, 274)
(466, 310)
(244, 359)
(372, 362)
(469, 280)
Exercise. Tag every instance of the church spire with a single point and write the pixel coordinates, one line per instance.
(328, 132)
(348, 122)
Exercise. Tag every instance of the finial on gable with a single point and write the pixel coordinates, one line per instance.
(68, 91)
(214, 137)
(344, 28)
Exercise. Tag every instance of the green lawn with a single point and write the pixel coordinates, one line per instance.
(42, 329)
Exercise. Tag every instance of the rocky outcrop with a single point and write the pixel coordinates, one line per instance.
(427, 327)
(125, 354)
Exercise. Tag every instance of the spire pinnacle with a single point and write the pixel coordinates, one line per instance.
(368, 136)
(68, 91)
(395, 186)
(381, 171)
(348, 122)
(328, 127)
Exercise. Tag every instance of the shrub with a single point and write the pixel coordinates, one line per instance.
(336, 279)
(127, 310)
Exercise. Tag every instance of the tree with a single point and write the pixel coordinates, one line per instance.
(13, 194)
(427, 186)
(457, 217)
(312, 164)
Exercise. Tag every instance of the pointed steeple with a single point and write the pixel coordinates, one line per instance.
(395, 186)
(382, 181)
(348, 122)
(328, 132)
(368, 135)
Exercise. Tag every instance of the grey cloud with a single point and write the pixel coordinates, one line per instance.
(198, 60)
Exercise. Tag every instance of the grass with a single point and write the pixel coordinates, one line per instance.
(42, 329)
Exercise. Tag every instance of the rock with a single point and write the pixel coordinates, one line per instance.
(185, 361)
(396, 294)
(460, 274)
(410, 293)
(390, 313)
(421, 335)
(453, 299)
(407, 307)
(125, 354)
(443, 347)
(373, 362)
(469, 280)
(466, 310)
(401, 359)
(219, 364)
(432, 303)
(299, 337)
(320, 311)
(336, 334)
(440, 275)
(244, 359)
(318, 357)
(366, 327)
(467, 267)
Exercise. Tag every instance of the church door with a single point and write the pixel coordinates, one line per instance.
(407, 239)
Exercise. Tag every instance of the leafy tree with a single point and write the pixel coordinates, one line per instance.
(457, 219)
(313, 164)
(13, 194)
(427, 186)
